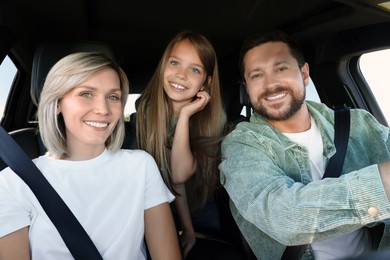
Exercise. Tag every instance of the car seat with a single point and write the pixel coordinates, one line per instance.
(245, 102)
(49, 53)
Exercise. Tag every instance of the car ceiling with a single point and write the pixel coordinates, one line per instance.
(139, 30)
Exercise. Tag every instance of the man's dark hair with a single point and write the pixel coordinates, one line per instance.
(271, 36)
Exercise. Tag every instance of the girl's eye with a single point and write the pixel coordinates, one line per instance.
(196, 70)
(173, 62)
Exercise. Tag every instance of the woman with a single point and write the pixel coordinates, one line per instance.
(180, 122)
(118, 196)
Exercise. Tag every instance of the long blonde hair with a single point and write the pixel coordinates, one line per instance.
(154, 114)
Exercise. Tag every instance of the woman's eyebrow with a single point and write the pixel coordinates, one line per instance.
(114, 89)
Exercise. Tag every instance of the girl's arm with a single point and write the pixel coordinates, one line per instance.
(183, 163)
(183, 166)
(15, 246)
(187, 238)
(160, 233)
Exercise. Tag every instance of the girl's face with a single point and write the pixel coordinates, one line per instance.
(184, 74)
(91, 112)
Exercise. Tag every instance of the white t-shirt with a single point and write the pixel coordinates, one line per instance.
(107, 194)
(343, 245)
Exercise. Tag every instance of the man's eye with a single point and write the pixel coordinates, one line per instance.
(282, 68)
(254, 76)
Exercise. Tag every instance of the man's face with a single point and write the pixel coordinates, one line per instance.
(275, 83)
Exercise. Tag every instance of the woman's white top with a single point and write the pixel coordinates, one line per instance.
(107, 194)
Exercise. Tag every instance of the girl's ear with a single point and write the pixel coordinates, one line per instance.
(206, 83)
(209, 78)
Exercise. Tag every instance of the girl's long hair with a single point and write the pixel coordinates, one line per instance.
(154, 114)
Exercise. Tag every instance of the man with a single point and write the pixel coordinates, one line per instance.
(272, 166)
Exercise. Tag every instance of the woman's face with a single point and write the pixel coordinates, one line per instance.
(91, 112)
(184, 74)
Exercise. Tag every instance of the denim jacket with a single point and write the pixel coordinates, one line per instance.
(276, 203)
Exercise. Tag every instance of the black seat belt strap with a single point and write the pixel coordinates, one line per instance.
(75, 237)
(342, 126)
(341, 136)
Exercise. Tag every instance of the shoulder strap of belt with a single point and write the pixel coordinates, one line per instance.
(75, 237)
(333, 169)
(341, 136)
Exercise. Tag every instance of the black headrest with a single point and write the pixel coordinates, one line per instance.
(244, 97)
(48, 54)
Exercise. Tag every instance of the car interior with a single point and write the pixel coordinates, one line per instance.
(333, 34)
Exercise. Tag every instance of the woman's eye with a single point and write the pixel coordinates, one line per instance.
(113, 98)
(86, 94)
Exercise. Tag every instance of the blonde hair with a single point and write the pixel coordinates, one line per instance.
(64, 76)
(154, 113)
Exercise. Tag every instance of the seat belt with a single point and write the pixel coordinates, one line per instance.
(75, 237)
(333, 170)
(342, 125)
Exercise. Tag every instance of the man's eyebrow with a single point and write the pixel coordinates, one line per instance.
(278, 62)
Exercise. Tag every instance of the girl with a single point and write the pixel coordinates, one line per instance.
(117, 195)
(180, 122)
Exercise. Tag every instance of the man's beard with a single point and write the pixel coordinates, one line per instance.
(294, 105)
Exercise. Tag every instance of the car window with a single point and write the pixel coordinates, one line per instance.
(375, 68)
(7, 75)
(130, 105)
(311, 92)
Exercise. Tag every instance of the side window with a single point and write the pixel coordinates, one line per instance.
(7, 75)
(375, 69)
(311, 92)
(130, 105)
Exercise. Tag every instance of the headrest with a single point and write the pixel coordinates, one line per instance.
(48, 54)
(244, 97)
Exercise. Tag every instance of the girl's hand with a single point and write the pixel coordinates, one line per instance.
(201, 99)
(187, 240)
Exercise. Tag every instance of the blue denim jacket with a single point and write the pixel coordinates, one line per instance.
(276, 203)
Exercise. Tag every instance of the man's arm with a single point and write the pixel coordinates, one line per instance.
(258, 177)
(384, 170)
